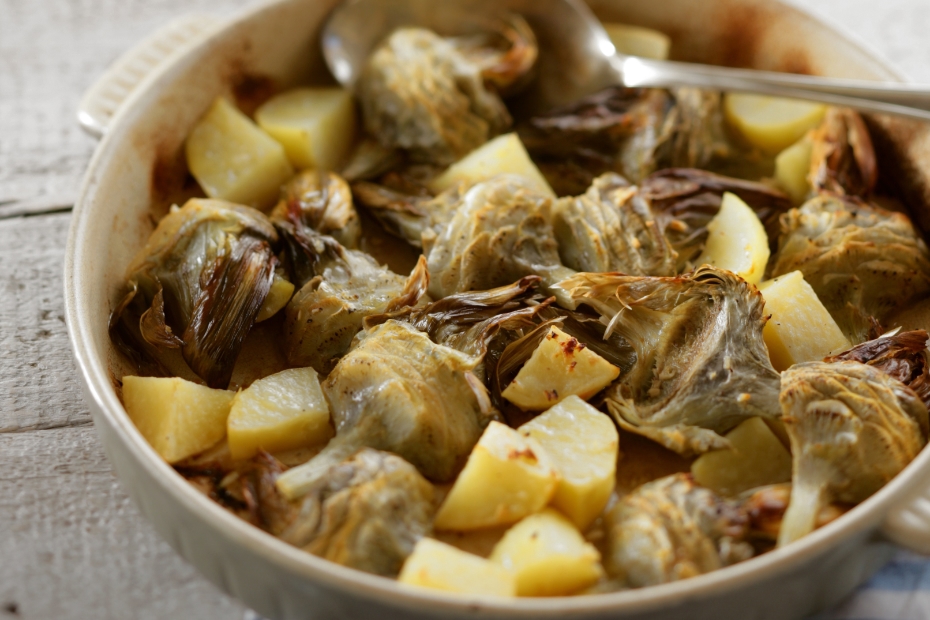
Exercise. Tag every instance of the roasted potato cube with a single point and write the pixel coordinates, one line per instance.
(436, 565)
(507, 477)
(756, 458)
(502, 155)
(548, 556)
(559, 367)
(281, 412)
(233, 159)
(792, 167)
(801, 329)
(771, 123)
(278, 296)
(736, 240)
(639, 41)
(178, 418)
(316, 126)
(583, 445)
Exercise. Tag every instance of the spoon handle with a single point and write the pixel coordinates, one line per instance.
(909, 100)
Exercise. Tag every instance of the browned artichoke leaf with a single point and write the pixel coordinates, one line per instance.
(701, 364)
(671, 529)
(320, 201)
(611, 228)
(684, 200)
(842, 157)
(397, 390)
(504, 53)
(327, 312)
(861, 260)
(204, 274)
(852, 429)
(902, 355)
(501, 231)
(419, 93)
(367, 513)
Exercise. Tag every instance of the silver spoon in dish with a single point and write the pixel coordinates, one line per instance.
(577, 58)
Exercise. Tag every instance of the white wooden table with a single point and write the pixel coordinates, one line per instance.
(71, 543)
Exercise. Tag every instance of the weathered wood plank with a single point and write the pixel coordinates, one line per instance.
(73, 545)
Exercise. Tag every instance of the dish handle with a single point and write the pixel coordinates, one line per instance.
(908, 524)
(104, 98)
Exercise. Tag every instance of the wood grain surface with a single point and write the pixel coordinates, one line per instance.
(71, 544)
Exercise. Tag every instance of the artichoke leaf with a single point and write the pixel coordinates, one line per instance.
(320, 201)
(861, 260)
(842, 156)
(197, 284)
(701, 363)
(852, 428)
(672, 529)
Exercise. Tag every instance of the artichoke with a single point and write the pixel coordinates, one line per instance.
(197, 286)
(701, 364)
(861, 260)
(323, 317)
(842, 157)
(422, 93)
(397, 390)
(611, 228)
(902, 356)
(852, 429)
(672, 529)
(501, 231)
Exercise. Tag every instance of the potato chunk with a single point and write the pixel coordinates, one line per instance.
(281, 412)
(178, 418)
(507, 477)
(233, 159)
(736, 241)
(316, 126)
(771, 123)
(757, 458)
(277, 297)
(548, 556)
(639, 41)
(559, 367)
(801, 329)
(583, 445)
(502, 155)
(436, 565)
(792, 167)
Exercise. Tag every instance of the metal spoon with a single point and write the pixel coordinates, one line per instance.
(577, 58)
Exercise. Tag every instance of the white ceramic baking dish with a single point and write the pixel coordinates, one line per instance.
(145, 106)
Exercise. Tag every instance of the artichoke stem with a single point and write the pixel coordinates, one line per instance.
(801, 516)
(297, 481)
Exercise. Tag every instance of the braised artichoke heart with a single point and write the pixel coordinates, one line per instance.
(852, 429)
(501, 231)
(397, 390)
(611, 228)
(861, 260)
(421, 93)
(672, 529)
(319, 201)
(842, 157)
(323, 317)
(701, 364)
(197, 285)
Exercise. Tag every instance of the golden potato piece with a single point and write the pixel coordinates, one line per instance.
(757, 458)
(771, 123)
(639, 41)
(316, 126)
(507, 477)
(548, 556)
(178, 418)
(801, 329)
(281, 412)
(792, 167)
(736, 240)
(277, 297)
(503, 155)
(559, 367)
(233, 159)
(583, 445)
(439, 566)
